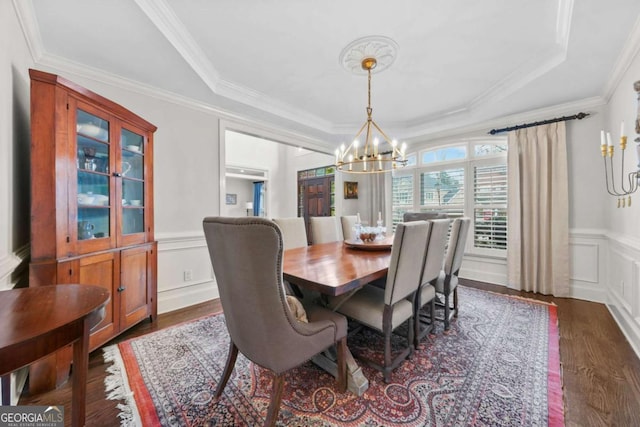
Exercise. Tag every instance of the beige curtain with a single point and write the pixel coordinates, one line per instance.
(376, 185)
(537, 214)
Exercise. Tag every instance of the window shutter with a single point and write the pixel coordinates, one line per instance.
(490, 207)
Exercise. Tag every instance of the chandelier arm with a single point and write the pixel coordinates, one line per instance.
(384, 135)
(606, 177)
(613, 191)
(624, 191)
(633, 182)
(358, 134)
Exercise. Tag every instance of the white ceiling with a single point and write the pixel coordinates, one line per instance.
(459, 63)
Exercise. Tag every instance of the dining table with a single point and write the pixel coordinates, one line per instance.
(334, 269)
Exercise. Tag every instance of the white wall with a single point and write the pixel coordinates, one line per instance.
(623, 237)
(15, 60)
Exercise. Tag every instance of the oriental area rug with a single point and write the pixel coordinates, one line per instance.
(498, 364)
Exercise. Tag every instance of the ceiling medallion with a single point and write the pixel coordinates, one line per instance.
(383, 49)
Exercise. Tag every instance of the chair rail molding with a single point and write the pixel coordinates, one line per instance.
(185, 275)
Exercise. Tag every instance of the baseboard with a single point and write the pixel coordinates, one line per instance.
(184, 296)
(628, 326)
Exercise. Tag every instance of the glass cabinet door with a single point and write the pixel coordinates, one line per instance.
(133, 183)
(93, 179)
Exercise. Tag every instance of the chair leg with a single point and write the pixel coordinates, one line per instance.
(411, 337)
(387, 331)
(387, 356)
(228, 368)
(455, 302)
(417, 334)
(447, 311)
(342, 364)
(276, 398)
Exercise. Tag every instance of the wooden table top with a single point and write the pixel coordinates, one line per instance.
(29, 314)
(334, 269)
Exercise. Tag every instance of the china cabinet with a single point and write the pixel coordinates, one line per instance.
(91, 207)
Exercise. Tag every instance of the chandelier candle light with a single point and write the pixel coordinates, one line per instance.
(633, 178)
(375, 155)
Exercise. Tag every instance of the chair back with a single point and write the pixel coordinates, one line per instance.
(325, 229)
(348, 224)
(457, 241)
(294, 232)
(423, 216)
(436, 248)
(407, 260)
(246, 254)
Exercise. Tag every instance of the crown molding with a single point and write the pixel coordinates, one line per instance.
(167, 22)
(164, 18)
(535, 67)
(521, 76)
(448, 122)
(630, 50)
(59, 64)
(27, 18)
(419, 134)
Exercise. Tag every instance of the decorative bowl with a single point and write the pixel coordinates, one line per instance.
(370, 234)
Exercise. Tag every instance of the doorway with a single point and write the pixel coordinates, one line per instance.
(246, 192)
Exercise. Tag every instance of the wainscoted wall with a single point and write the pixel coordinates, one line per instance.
(185, 275)
(587, 255)
(623, 277)
(588, 262)
(605, 268)
(14, 271)
(14, 268)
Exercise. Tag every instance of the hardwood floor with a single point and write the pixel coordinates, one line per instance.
(601, 373)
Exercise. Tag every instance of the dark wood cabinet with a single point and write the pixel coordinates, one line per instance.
(92, 207)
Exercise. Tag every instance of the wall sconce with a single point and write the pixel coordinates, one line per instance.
(249, 207)
(633, 178)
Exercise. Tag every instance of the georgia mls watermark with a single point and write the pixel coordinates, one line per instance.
(32, 416)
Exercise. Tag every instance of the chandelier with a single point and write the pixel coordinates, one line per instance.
(377, 153)
(623, 193)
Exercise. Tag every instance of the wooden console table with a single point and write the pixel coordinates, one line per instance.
(37, 321)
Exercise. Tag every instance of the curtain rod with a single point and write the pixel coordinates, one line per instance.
(578, 116)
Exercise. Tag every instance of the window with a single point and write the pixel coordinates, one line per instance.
(461, 179)
(442, 191)
(490, 207)
(402, 197)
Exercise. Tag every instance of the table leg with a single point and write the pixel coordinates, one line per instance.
(5, 380)
(80, 369)
(357, 383)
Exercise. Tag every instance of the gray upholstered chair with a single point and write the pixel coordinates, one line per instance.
(423, 216)
(384, 310)
(325, 229)
(348, 223)
(293, 230)
(246, 254)
(447, 281)
(434, 258)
